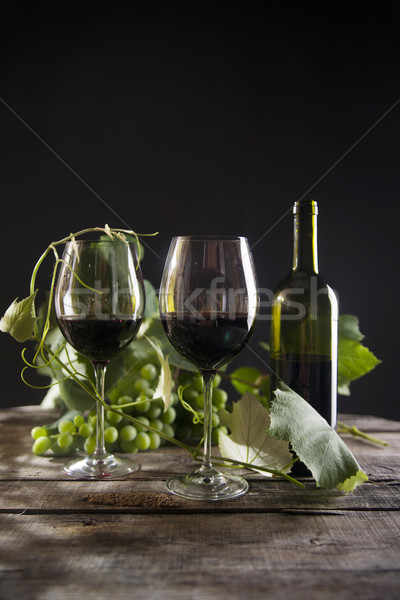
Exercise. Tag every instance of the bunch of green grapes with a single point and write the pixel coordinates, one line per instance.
(78, 431)
(192, 393)
(133, 396)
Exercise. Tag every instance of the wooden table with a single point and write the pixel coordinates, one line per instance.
(129, 538)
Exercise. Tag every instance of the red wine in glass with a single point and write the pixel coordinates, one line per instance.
(98, 339)
(207, 340)
(208, 304)
(99, 304)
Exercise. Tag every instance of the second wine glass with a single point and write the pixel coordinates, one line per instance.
(99, 305)
(208, 305)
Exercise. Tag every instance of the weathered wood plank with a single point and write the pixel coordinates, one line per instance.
(369, 423)
(200, 556)
(18, 462)
(136, 495)
(61, 538)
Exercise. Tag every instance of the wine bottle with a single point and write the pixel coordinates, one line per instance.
(304, 334)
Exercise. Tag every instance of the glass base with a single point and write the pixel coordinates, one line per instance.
(105, 467)
(207, 484)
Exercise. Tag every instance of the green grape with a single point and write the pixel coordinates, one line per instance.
(90, 444)
(143, 405)
(128, 447)
(168, 430)
(149, 393)
(169, 415)
(113, 418)
(189, 394)
(122, 400)
(127, 433)
(110, 434)
(156, 424)
(66, 427)
(200, 401)
(143, 441)
(217, 381)
(197, 383)
(149, 372)
(215, 420)
(79, 420)
(215, 433)
(86, 430)
(219, 398)
(154, 411)
(38, 432)
(92, 419)
(141, 384)
(61, 450)
(145, 422)
(41, 445)
(155, 440)
(65, 439)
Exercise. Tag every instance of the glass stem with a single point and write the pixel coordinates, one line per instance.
(208, 380)
(100, 375)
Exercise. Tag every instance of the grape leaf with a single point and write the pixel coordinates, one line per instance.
(73, 396)
(243, 374)
(349, 328)
(19, 319)
(164, 385)
(354, 359)
(248, 441)
(316, 444)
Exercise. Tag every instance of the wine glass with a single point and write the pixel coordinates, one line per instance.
(208, 304)
(99, 304)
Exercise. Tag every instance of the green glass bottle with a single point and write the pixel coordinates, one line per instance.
(304, 325)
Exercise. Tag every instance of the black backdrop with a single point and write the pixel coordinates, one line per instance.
(212, 118)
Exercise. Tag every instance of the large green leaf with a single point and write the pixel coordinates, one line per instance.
(316, 444)
(248, 441)
(354, 359)
(19, 319)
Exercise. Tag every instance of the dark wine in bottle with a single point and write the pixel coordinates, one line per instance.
(304, 338)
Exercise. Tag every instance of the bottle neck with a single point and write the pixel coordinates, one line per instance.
(305, 252)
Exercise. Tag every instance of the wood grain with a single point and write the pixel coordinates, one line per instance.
(206, 556)
(129, 538)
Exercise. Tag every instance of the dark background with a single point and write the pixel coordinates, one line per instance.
(213, 118)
